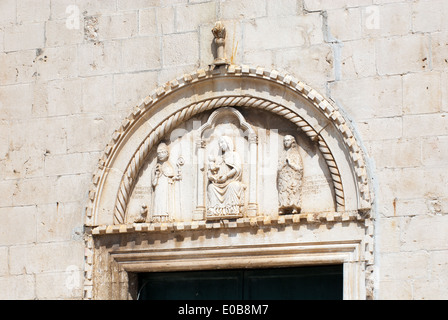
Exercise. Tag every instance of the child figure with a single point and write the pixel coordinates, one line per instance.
(213, 167)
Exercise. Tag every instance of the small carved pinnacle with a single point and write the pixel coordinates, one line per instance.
(219, 32)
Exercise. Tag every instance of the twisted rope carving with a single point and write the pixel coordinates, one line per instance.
(128, 179)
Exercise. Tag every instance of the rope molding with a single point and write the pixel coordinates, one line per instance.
(328, 109)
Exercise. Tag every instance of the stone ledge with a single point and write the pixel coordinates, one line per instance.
(260, 221)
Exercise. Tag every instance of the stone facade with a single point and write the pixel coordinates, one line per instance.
(75, 76)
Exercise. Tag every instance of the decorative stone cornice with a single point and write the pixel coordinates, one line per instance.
(260, 221)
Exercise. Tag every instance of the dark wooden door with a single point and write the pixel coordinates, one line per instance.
(301, 283)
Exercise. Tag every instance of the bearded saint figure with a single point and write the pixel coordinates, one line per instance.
(289, 177)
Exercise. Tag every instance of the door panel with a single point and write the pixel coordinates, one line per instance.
(192, 285)
(302, 283)
(306, 283)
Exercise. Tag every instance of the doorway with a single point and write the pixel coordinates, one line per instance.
(298, 283)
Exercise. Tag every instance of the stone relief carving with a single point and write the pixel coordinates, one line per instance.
(221, 192)
(289, 177)
(163, 179)
(225, 191)
(100, 196)
(142, 214)
(219, 32)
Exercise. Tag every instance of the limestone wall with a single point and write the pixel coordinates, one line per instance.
(72, 70)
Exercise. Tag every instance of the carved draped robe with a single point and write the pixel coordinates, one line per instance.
(163, 192)
(226, 199)
(289, 180)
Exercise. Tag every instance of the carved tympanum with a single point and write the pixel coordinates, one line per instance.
(289, 177)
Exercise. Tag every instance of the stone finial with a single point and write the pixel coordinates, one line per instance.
(219, 32)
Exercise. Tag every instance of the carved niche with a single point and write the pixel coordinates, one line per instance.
(222, 155)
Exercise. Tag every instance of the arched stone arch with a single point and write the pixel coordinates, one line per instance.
(243, 87)
(180, 99)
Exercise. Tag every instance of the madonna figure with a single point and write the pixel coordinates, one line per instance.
(289, 177)
(225, 191)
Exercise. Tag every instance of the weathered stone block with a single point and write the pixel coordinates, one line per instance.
(283, 7)
(141, 54)
(89, 7)
(45, 134)
(136, 4)
(190, 17)
(435, 151)
(422, 93)
(439, 49)
(16, 101)
(24, 36)
(314, 65)
(45, 257)
(74, 163)
(97, 58)
(6, 189)
(316, 5)
(86, 133)
(59, 221)
(155, 21)
(147, 22)
(18, 287)
(180, 49)
(433, 289)
(30, 192)
(131, 88)
(4, 258)
(390, 19)
(425, 233)
(425, 125)
(8, 11)
(58, 34)
(60, 285)
(98, 95)
(381, 129)
(33, 10)
(63, 97)
(350, 29)
(427, 17)
(403, 54)
(117, 26)
(283, 32)
(249, 9)
(395, 290)
(397, 153)
(56, 63)
(18, 226)
(404, 266)
(376, 97)
(389, 235)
